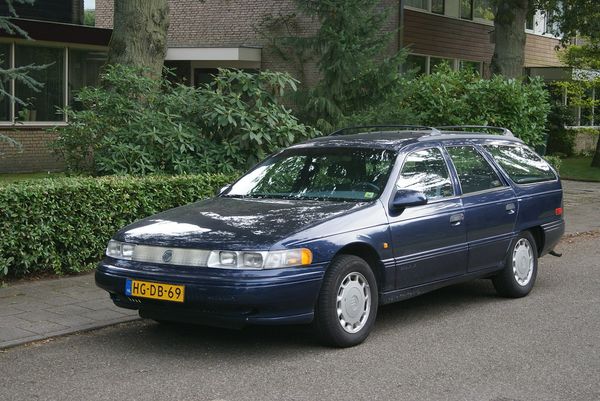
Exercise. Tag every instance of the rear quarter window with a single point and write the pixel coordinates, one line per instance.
(522, 165)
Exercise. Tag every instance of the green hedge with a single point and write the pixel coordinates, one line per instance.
(62, 225)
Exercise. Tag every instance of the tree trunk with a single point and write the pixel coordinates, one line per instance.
(139, 37)
(509, 36)
(596, 159)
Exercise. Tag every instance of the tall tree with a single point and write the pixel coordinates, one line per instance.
(139, 36)
(351, 49)
(509, 36)
(568, 18)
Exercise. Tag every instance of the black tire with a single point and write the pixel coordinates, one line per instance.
(507, 283)
(328, 326)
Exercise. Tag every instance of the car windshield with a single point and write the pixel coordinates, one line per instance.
(346, 174)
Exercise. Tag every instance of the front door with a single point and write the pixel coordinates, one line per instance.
(429, 241)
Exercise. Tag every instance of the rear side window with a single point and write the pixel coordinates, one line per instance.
(474, 172)
(426, 171)
(521, 164)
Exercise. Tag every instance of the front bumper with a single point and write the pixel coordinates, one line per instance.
(219, 297)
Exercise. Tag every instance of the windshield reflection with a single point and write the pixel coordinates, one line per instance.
(340, 174)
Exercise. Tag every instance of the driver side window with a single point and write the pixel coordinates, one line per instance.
(426, 171)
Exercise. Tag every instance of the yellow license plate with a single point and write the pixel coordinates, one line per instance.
(146, 289)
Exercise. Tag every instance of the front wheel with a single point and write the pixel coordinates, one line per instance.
(520, 270)
(347, 304)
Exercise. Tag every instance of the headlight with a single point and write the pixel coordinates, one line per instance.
(260, 260)
(120, 250)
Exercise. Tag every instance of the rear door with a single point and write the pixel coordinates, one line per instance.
(490, 207)
(429, 241)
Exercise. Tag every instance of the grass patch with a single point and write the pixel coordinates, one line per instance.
(9, 178)
(579, 168)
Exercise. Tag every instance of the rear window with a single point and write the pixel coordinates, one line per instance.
(521, 164)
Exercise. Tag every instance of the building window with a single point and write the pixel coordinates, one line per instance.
(415, 63)
(61, 79)
(421, 4)
(466, 9)
(474, 66)
(204, 76)
(4, 99)
(437, 6)
(435, 63)
(421, 64)
(84, 70)
(529, 24)
(483, 9)
(434, 6)
(42, 105)
(586, 116)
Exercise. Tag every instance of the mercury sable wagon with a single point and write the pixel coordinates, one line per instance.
(326, 231)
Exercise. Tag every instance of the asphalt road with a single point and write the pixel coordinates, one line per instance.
(459, 343)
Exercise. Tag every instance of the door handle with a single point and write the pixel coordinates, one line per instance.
(510, 208)
(457, 219)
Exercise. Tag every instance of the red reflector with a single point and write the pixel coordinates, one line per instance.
(558, 211)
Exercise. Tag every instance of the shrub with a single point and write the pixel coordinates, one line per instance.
(463, 98)
(241, 111)
(388, 111)
(449, 97)
(136, 125)
(560, 139)
(554, 161)
(62, 225)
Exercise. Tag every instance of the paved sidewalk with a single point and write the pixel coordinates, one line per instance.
(582, 206)
(48, 308)
(36, 310)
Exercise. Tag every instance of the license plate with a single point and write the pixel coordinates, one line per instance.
(145, 289)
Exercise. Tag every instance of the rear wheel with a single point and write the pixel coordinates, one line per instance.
(520, 270)
(347, 304)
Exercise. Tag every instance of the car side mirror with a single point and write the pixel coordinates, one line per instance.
(224, 189)
(406, 198)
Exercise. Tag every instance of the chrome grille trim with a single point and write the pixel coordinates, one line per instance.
(178, 256)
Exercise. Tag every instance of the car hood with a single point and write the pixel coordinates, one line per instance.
(232, 223)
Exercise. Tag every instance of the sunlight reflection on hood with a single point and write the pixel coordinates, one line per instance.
(168, 227)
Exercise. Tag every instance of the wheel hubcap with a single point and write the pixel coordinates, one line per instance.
(522, 262)
(353, 302)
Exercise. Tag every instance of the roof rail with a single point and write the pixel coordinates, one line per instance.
(504, 131)
(344, 131)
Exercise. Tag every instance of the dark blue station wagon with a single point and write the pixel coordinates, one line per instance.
(326, 231)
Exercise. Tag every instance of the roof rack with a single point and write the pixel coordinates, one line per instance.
(504, 131)
(344, 131)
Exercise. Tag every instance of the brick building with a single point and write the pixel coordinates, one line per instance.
(226, 33)
(217, 33)
(74, 53)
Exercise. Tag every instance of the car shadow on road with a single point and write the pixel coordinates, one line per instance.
(186, 339)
